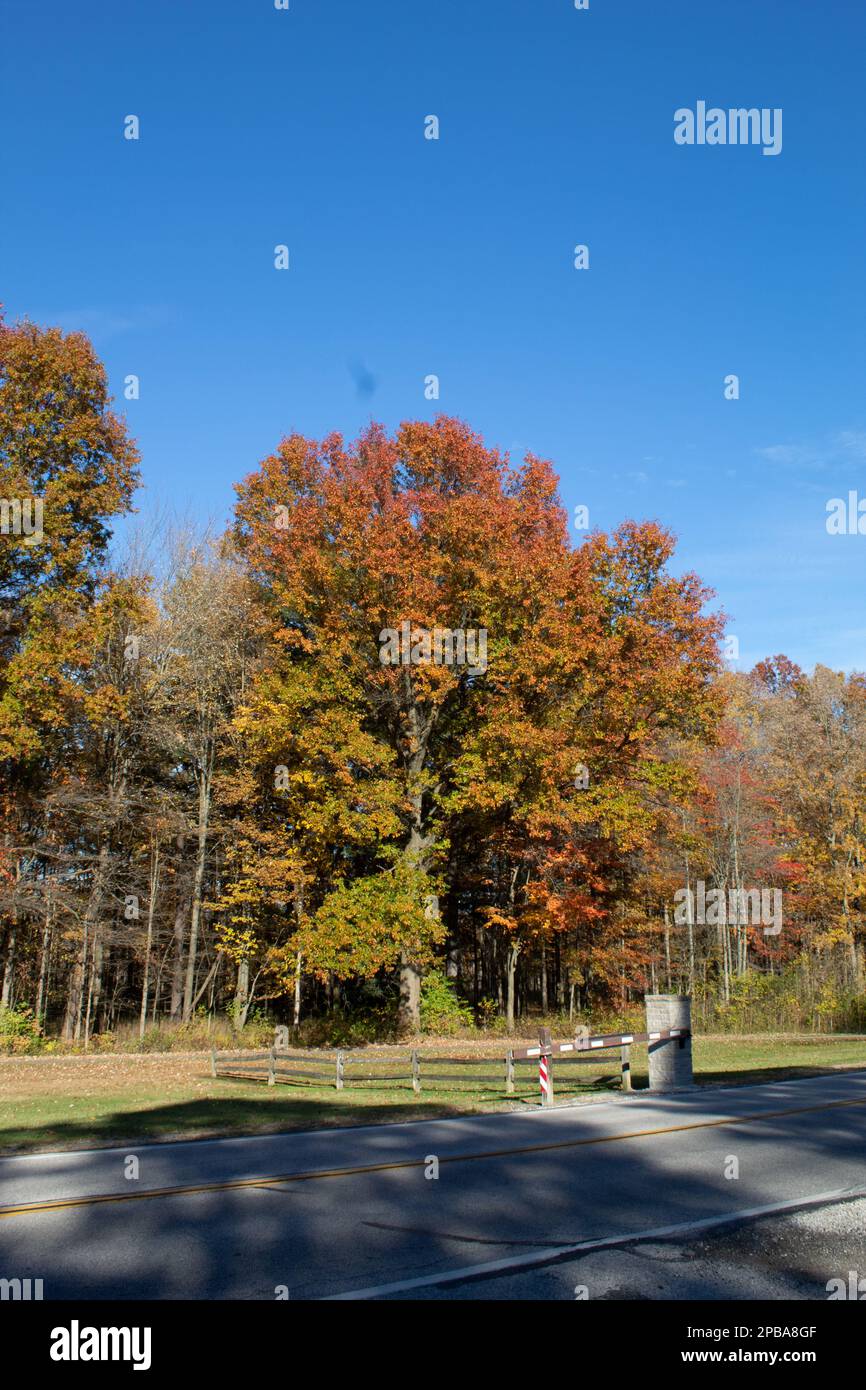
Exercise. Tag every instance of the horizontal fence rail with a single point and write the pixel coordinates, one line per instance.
(238, 1063)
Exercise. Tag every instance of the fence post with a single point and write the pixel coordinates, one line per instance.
(213, 1061)
(416, 1072)
(338, 1081)
(625, 1067)
(272, 1074)
(509, 1071)
(545, 1067)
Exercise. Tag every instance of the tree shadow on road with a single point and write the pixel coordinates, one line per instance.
(351, 1231)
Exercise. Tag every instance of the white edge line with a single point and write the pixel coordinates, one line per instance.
(546, 1254)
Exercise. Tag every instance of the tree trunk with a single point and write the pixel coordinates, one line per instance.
(855, 960)
(667, 948)
(94, 987)
(45, 956)
(410, 995)
(691, 929)
(418, 852)
(296, 1015)
(72, 1021)
(148, 945)
(511, 971)
(198, 882)
(6, 995)
(242, 995)
(177, 961)
(299, 959)
(78, 982)
(452, 949)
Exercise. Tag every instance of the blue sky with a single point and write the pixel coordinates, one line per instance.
(455, 257)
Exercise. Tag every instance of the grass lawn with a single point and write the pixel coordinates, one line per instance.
(81, 1102)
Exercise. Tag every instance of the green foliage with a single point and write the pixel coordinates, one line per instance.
(631, 1019)
(365, 926)
(358, 1028)
(790, 1002)
(19, 1030)
(442, 1011)
(17, 1023)
(198, 1035)
(488, 1015)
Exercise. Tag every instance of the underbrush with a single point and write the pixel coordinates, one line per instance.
(795, 1002)
(20, 1035)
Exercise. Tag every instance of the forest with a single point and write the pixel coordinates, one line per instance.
(219, 800)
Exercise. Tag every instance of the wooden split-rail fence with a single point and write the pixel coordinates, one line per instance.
(521, 1067)
(341, 1069)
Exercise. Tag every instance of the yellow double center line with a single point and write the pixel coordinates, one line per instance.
(239, 1184)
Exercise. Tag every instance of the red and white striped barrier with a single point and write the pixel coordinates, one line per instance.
(544, 1080)
(605, 1041)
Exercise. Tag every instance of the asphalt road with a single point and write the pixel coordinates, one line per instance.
(625, 1198)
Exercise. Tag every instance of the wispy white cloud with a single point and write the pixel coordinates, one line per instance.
(853, 443)
(789, 454)
(834, 448)
(101, 323)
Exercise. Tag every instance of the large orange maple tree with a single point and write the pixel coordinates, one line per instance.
(575, 657)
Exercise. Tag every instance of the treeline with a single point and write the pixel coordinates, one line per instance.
(393, 728)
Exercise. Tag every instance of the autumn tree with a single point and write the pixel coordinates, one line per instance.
(815, 730)
(67, 467)
(362, 554)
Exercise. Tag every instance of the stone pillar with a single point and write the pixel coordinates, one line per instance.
(670, 1059)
